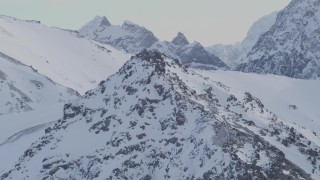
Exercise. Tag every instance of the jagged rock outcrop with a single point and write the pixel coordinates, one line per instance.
(180, 40)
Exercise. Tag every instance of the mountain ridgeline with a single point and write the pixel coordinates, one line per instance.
(283, 43)
(232, 54)
(133, 38)
(193, 54)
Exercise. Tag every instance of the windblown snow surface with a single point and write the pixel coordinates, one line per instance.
(61, 55)
(23, 89)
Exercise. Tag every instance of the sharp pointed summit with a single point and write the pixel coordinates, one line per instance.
(102, 20)
(97, 22)
(180, 39)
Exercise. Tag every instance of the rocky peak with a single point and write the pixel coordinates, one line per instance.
(102, 20)
(96, 23)
(180, 40)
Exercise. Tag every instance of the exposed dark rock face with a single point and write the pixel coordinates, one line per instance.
(291, 47)
(195, 53)
(180, 40)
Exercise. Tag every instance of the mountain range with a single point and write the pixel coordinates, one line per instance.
(114, 102)
(193, 54)
(133, 38)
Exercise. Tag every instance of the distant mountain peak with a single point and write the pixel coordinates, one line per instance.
(96, 22)
(103, 20)
(189, 53)
(180, 39)
(129, 36)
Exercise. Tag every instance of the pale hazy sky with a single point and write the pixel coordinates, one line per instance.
(207, 21)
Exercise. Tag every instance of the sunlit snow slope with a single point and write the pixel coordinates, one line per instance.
(294, 100)
(61, 55)
(22, 89)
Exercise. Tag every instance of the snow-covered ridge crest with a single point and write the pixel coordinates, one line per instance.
(157, 119)
(180, 39)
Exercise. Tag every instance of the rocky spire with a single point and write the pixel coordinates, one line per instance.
(180, 39)
(102, 21)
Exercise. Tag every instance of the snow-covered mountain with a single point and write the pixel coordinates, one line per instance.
(291, 47)
(156, 119)
(23, 89)
(193, 54)
(232, 54)
(134, 38)
(59, 54)
(129, 36)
